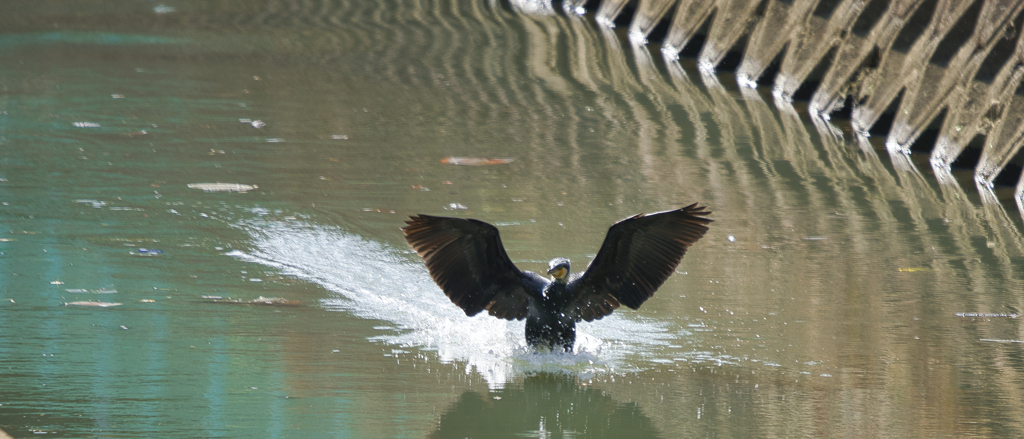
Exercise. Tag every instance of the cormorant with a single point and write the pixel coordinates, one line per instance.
(466, 259)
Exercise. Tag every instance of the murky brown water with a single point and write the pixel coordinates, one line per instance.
(837, 294)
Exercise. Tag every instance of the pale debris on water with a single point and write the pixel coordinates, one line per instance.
(270, 301)
(147, 252)
(85, 291)
(96, 204)
(223, 187)
(986, 314)
(86, 124)
(476, 161)
(92, 303)
(378, 210)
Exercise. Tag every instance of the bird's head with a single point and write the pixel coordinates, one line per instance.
(558, 268)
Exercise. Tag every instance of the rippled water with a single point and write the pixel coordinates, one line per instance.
(182, 162)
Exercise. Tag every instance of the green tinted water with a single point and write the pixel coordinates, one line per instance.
(837, 293)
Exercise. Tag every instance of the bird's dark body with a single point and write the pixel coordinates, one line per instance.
(548, 322)
(467, 260)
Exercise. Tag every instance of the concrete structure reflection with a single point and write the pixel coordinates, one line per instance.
(930, 65)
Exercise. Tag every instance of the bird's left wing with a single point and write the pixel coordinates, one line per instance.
(638, 254)
(466, 259)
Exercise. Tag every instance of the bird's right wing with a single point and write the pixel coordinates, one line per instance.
(466, 259)
(638, 254)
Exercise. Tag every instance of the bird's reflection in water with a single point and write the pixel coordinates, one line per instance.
(546, 405)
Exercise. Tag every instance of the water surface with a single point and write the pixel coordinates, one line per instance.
(838, 293)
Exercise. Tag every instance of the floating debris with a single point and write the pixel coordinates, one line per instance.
(258, 124)
(269, 301)
(372, 209)
(147, 301)
(96, 204)
(117, 96)
(421, 187)
(275, 301)
(86, 125)
(476, 161)
(455, 206)
(163, 9)
(339, 137)
(996, 340)
(914, 269)
(56, 282)
(85, 291)
(92, 303)
(148, 252)
(985, 314)
(223, 187)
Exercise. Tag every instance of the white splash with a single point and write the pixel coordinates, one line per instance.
(374, 281)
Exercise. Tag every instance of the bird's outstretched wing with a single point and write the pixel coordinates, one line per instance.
(638, 254)
(466, 259)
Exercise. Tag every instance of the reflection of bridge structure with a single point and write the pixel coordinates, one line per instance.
(950, 65)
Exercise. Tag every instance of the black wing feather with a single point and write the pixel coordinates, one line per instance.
(466, 259)
(638, 254)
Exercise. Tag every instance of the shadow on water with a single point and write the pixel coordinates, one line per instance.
(546, 405)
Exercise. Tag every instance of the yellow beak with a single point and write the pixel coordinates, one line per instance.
(558, 272)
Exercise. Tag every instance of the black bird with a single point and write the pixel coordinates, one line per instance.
(466, 259)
